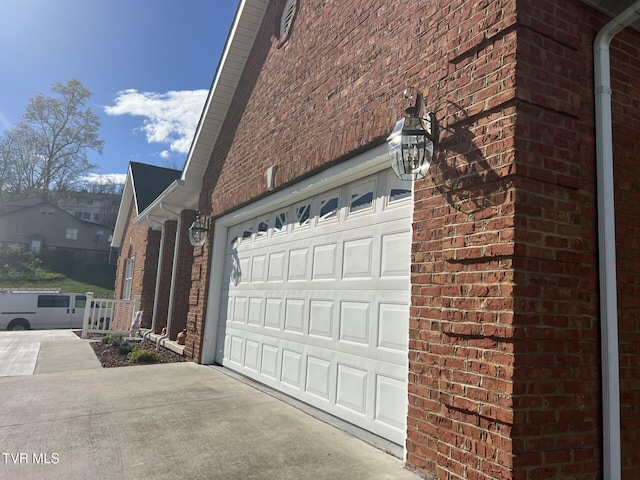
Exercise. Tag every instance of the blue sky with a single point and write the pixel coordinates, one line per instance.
(149, 64)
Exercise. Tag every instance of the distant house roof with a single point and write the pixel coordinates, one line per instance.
(13, 205)
(21, 206)
(150, 181)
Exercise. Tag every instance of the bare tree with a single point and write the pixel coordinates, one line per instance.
(47, 150)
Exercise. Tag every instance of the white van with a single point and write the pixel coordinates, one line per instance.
(25, 311)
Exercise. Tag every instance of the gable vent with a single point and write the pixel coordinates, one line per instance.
(287, 17)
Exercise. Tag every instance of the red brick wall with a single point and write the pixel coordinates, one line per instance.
(504, 328)
(199, 276)
(143, 244)
(558, 398)
(557, 430)
(183, 278)
(461, 337)
(164, 291)
(625, 77)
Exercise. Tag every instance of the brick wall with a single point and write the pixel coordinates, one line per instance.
(625, 77)
(199, 279)
(164, 290)
(503, 339)
(558, 394)
(143, 244)
(183, 278)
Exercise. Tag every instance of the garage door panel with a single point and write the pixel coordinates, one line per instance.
(298, 259)
(325, 379)
(328, 345)
(318, 379)
(317, 302)
(351, 390)
(291, 369)
(324, 262)
(348, 320)
(294, 315)
(258, 268)
(269, 361)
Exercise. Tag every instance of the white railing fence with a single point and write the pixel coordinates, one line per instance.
(106, 315)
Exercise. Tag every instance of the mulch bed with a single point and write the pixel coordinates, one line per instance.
(109, 357)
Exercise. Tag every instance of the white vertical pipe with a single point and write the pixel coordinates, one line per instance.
(607, 243)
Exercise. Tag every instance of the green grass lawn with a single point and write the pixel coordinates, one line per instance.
(20, 269)
(66, 285)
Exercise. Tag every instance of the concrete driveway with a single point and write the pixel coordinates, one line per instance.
(72, 419)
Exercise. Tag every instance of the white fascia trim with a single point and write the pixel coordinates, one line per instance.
(170, 203)
(123, 211)
(234, 57)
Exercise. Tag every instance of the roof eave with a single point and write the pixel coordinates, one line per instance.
(234, 57)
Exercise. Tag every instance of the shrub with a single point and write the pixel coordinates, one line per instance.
(142, 355)
(113, 339)
(124, 348)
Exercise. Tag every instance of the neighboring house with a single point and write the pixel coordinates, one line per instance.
(471, 320)
(44, 228)
(139, 244)
(92, 207)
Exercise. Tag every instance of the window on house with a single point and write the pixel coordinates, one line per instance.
(71, 234)
(86, 215)
(128, 278)
(47, 210)
(78, 214)
(18, 229)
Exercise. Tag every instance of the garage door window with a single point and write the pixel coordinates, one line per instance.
(362, 197)
(263, 227)
(328, 208)
(303, 213)
(280, 223)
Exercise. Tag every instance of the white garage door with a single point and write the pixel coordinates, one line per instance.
(315, 301)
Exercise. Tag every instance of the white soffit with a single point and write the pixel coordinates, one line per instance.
(127, 199)
(613, 8)
(241, 38)
(174, 199)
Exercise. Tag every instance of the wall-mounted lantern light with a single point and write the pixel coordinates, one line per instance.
(413, 140)
(198, 231)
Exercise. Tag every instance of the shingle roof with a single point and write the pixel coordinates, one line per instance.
(150, 181)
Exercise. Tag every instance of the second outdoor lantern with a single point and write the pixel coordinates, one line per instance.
(412, 141)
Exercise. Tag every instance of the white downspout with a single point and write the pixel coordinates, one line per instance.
(607, 243)
(174, 272)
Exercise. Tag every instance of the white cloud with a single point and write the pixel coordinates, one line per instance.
(165, 154)
(169, 118)
(105, 178)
